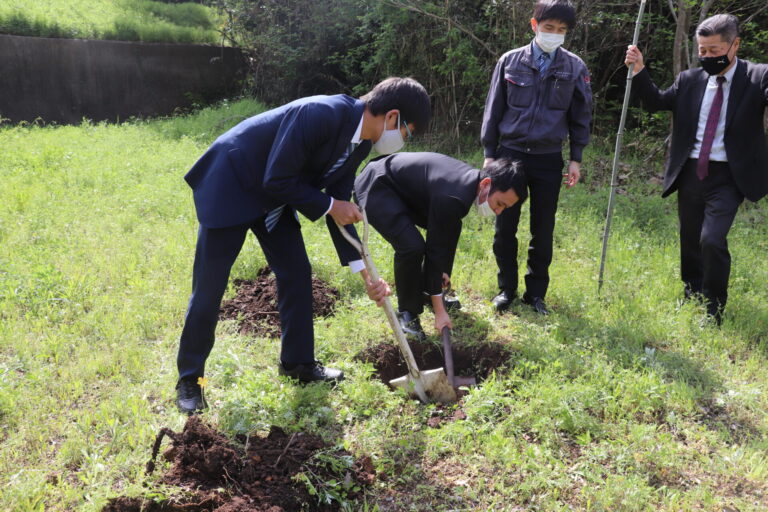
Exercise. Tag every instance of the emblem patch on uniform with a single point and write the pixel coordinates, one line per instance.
(587, 79)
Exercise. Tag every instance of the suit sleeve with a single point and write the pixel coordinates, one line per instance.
(495, 106)
(443, 231)
(300, 132)
(580, 115)
(342, 189)
(652, 97)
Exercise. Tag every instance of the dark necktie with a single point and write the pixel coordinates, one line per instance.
(702, 167)
(543, 62)
(274, 215)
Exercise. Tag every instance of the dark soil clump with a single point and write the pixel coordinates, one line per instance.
(469, 361)
(259, 475)
(255, 304)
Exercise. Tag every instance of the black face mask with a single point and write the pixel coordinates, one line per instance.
(716, 65)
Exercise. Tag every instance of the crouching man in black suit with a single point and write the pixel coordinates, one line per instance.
(435, 192)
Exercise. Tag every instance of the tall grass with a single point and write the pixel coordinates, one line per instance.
(126, 20)
(624, 401)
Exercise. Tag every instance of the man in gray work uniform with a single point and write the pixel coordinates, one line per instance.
(539, 95)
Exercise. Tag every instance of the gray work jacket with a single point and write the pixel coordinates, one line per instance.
(533, 113)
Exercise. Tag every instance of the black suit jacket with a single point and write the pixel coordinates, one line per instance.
(437, 192)
(745, 142)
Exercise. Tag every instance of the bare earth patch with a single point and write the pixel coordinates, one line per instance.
(477, 360)
(254, 306)
(259, 475)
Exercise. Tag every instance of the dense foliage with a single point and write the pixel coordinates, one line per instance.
(303, 47)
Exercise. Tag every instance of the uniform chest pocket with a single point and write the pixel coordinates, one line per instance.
(520, 90)
(561, 86)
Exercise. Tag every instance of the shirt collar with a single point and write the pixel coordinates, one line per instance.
(537, 52)
(356, 137)
(729, 75)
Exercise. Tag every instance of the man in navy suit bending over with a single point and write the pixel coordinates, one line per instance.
(300, 157)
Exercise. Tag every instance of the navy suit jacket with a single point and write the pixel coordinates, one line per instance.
(281, 157)
(745, 142)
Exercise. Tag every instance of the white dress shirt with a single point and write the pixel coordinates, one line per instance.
(717, 154)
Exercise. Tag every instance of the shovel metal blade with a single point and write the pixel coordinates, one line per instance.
(464, 382)
(436, 386)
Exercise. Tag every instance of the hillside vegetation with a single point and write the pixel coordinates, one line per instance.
(125, 20)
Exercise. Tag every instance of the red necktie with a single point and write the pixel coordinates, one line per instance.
(702, 168)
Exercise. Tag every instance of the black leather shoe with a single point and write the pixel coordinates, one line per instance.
(310, 372)
(537, 304)
(450, 301)
(189, 396)
(411, 325)
(502, 301)
(715, 313)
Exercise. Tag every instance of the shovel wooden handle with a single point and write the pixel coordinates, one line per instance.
(373, 273)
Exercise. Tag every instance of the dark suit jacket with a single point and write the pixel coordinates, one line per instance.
(745, 142)
(437, 192)
(280, 157)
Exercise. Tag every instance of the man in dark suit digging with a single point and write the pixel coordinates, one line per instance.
(300, 157)
(435, 192)
(719, 154)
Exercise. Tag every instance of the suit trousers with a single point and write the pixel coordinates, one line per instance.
(390, 217)
(706, 209)
(544, 173)
(217, 249)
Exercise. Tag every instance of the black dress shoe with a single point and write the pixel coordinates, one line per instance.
(715, 313)
(189, 396)
(537, 304)
(411, 325)
(450, 301)
(502, 301)
(310, 372)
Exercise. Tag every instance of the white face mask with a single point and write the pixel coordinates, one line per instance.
(390, 140)
(484, 209)
(549, 42)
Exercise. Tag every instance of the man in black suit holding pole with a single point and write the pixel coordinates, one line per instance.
(719, 154)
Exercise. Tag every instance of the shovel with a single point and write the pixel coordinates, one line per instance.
(455, 381)
(427, 386)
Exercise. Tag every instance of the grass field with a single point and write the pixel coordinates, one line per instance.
(126, 20)
(621, 402)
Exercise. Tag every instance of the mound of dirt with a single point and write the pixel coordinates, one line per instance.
(469, 361)
(255, 303)
(259, 475)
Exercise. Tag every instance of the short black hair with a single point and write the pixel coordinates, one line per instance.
(403, 94)
(507, 174)
(724, 25)
(560, 10)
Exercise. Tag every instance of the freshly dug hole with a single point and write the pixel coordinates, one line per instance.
(254, 305)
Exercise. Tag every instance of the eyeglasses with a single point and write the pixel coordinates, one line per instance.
(407, 130)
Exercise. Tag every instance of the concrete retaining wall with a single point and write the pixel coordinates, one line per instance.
(65, 80)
